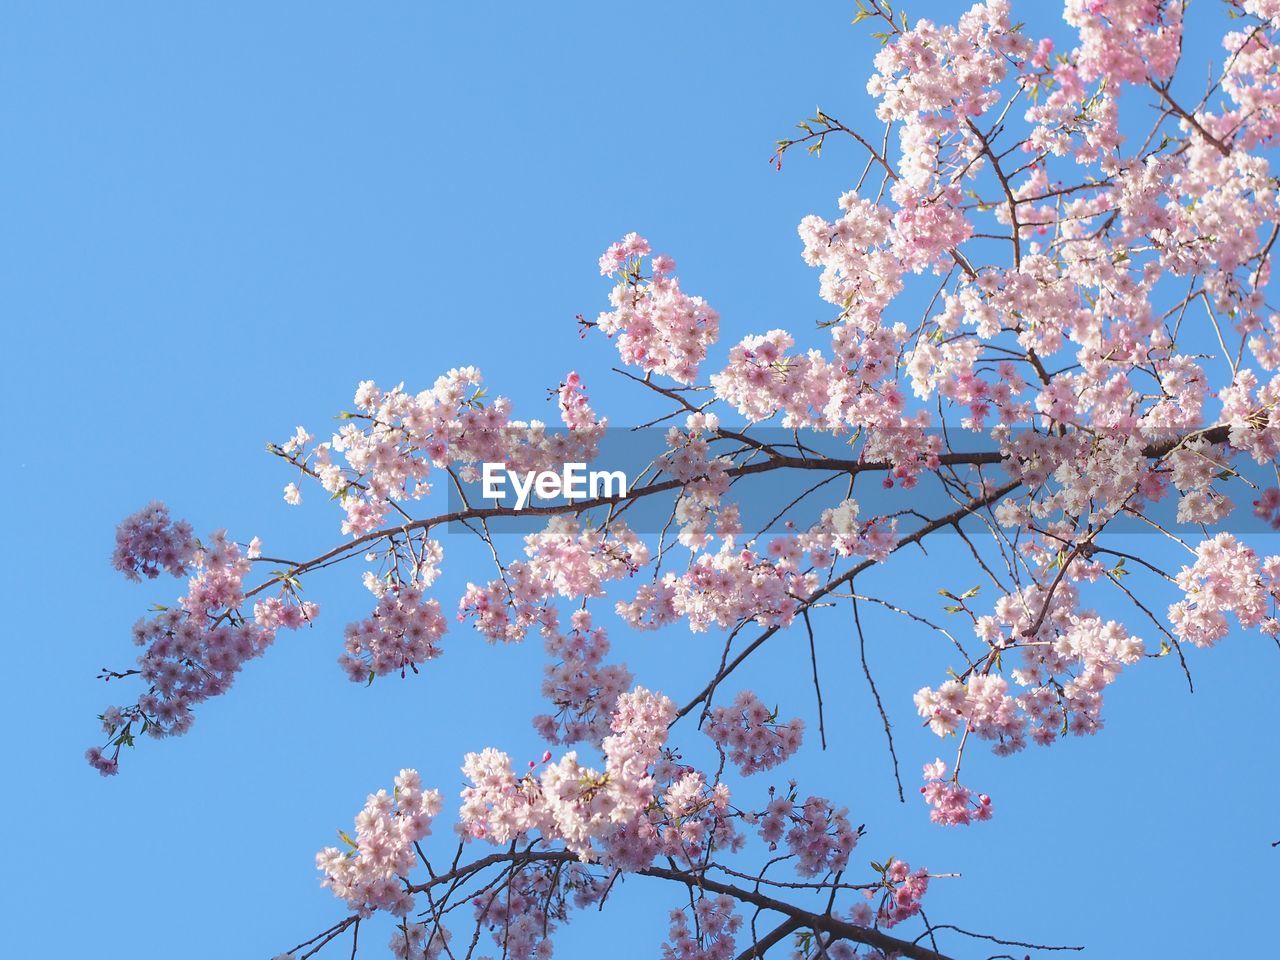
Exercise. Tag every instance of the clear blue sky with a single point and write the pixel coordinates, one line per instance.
(217, 220)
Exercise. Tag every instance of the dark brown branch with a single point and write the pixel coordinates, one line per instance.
(761, 946)
(841, 929)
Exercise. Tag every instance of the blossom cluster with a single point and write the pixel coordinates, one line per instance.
(1227, 577)
(413, 941)
(369, 874)
(393, 440)
(902, 891)
(194, 650)
(720, 589)
(522, 920)
(404, 630)
(578, 682)
(712, 936)
(741, 583)
(658, 327)
(642, 807)
(1067, 660)
(569, 802)
(565, 560)
(816, 833)
(752, 735)
(952, 803)
(148, 542)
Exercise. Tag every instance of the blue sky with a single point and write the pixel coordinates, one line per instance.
(218, 220)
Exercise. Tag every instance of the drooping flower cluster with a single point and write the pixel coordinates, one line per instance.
(821, 838)
(704, 480)
(1194, 467)
(688, 819)
(752, 735)
(855, 389)
(1068, 658)
(720, 589)
(575, 410)
(412, 941)
(1126, 41)
(1249, 77)
(578, 682)
(569, 802)
(740, 583)
(564, 560)
(403, 631)
(902, 891)
(712, 936)
(839, 533)
(369, 874)
(194, 650)
(148, 542)
(394, 439)
(816, 833)
(1226, 578)
(522, 920)
(953, 803)
(659, 328)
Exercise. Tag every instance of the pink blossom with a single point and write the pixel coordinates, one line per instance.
(148, 542)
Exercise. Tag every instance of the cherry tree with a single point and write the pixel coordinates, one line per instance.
(1096, 355)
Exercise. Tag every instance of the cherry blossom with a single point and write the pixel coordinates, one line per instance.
(148, 542)
(1045, 329)
(752, 735)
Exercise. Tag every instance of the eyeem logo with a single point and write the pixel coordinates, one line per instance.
(573, 482)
